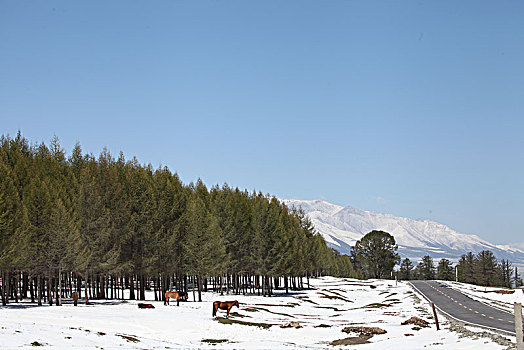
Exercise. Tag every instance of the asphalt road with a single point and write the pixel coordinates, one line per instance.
(464, 308)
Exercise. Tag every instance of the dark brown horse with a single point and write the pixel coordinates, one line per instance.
(224, 305)
(175, 295)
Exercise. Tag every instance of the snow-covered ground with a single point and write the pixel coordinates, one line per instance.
(493, 296)
(322, 313)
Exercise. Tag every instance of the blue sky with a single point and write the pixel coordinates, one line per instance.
(413, 108)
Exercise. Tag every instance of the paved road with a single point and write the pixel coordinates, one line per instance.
(464, 308)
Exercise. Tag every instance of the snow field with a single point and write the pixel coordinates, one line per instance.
(333, 304)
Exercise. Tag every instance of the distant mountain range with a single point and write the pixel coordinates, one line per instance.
(341, 227)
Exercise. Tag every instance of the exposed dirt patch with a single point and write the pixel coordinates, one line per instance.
(224, 320)
(375, 306)
(292, 324)
(129, 338)
(498, 291)
(306, 300)
(330, 308)
(214, 341)
(352, 340)
(335, 297)
(266, 310)
(35, 343)
(251, 309)
(416, 321)
(323, 326)
(364, 330)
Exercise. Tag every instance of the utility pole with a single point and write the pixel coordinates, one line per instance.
(456, 273)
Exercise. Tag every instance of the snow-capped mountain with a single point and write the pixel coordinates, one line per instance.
(341, 227)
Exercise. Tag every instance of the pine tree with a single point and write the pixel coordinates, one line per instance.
(425, 269)
(486, 269)
(445, 270)
(377, 253)
(406, 268)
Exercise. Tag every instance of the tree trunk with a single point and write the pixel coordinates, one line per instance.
(7, 287)
(59, 296)
(85, 288)
(142, 287)
(193, 287)
(199, 281)
(39, 289)
(31, 291)
(49, 295)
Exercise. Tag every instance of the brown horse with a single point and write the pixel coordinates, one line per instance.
(175, 295)
(224, 305)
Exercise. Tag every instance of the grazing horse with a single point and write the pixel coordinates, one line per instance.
(183, 295)
(224, 305)
(175, 295)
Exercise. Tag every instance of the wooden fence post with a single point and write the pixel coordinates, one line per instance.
(518, 325)
(435, 315)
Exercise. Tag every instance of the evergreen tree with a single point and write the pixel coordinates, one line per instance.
(486, 269)
(406, 268)
(445, 270)
(377, 254)
(425, 269)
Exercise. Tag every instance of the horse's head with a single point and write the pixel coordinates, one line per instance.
(236, 303)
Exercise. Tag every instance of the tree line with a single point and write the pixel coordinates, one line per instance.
(109, 227)
(482, 269)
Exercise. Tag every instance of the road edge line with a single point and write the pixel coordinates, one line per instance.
(457, 319)
(469, 296)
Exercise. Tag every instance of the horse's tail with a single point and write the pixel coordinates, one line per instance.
(214, 310)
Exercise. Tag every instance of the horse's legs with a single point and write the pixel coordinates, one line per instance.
(177, 301)
(167, 300)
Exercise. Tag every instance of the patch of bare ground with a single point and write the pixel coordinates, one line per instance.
(392, 301)
(224, 320)
(361, 330)
(255, 308)
(330, 308)
(390, 295)
(214, 341)
(303, 298)
(334, 291)
(291, 324)
(129, 338)
(416, 321)
(335, 297)
(391, 313)
(374, 306)
(364, 334)
(362, 339)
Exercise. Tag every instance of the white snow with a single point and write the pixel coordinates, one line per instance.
(333, 302)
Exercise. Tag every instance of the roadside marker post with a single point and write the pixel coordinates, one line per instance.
(436, 318)
(518, 325)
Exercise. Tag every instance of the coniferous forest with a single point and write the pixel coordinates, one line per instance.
(102, 225)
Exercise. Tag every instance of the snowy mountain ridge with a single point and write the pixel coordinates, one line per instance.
(341, 227)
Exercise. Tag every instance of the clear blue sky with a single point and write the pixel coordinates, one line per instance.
(413, 108)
